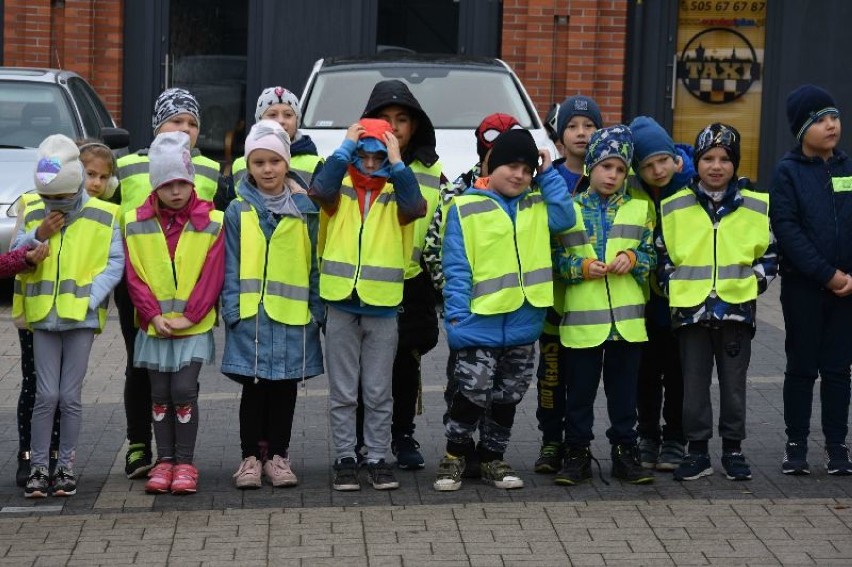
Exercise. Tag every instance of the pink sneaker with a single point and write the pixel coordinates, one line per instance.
(185, 479)
(248, 475)
(160, 478)
(278, 471)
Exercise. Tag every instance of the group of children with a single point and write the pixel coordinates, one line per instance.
(629, 258)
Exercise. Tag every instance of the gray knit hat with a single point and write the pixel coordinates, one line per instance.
(58, 170)
(170, 159)
(172, 102)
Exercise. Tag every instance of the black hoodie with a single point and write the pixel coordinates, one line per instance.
(395, 92)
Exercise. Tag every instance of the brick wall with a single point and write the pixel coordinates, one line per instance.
(84, 36)
(564, 47)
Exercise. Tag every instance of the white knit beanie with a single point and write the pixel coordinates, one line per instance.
(58, 170)
(273, 96)
(170, 159)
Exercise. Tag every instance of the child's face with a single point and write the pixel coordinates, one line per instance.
(285, 116)
(822, 136)
(658, 170)
(404, 125)
(715, 169)
(575, 138)
(98, 171)
(511, 179)
(175, 194)
(371, 161)
(608, 176)
(268, 170)
(182, 123)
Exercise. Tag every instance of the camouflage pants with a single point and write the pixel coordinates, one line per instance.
(488, 378)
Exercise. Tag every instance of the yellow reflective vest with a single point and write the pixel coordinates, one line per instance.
(593, 306)
(78, 253)
(283, 284)
(711, 257)
(429, 179)
(509, 262)
(136, 186)
(369, 255)
(171, 282)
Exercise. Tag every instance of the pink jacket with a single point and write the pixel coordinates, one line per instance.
(13, 262)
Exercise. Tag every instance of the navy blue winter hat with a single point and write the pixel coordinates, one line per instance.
(805, 105)
(649, 139)
(577, 105)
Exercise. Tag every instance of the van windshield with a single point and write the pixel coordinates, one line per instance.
(453, 98)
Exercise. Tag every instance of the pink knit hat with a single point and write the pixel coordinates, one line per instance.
(268, 135)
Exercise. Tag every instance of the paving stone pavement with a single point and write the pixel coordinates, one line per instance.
(772, 520)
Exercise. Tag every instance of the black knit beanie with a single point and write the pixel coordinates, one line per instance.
(513, 146)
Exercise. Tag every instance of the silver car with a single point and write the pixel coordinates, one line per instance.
(456, 92)
(35, 103)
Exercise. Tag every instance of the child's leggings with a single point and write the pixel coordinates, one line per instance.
(266, 413)
(27, 395)
(61, 360)
(174, 405)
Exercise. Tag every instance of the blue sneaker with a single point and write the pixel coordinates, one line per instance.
(736, 467)
(693, 466)
(837, 460)
(407, 453)
(795, 459)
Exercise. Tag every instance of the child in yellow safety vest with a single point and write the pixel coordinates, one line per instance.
(175, 267)
(63, 301)
(270, 303)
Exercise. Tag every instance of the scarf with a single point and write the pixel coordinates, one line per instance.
(364, 182)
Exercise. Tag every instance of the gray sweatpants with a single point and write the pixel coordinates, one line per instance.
(360, 349)
(61, 361)
(730, 346)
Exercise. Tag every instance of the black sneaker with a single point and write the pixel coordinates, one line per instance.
(795, 459)
(625, 465)
(407, 452)
(837, 460)
(736, 467)
(64, 482)
(38, 483)
(346, 475)
(137, 461)
(693, 467)
(22, 475)
(381, 475)
(576, 467)
(549, 458)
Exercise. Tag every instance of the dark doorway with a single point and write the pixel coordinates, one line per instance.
(424, 26)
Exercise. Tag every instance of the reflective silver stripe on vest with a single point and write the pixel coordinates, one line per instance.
(43, 287)
(250, 285)
(288, 291)
(626, 312)
(603, 316)
(478, 207)
(428, 180)
(136, 228)
(348, 192)
(207, 171)
(679, 203)
(692, 273)
(529, 201)
(415, 254)
(70, 286)
(245, 206)
(305, 176)
(130, 169)
(96, 215)
(494, 285)
(386, 198)
(340, 269)
(238, 176)
(382, 274)
(539, 276)
(211, 228)
(626, 231)
(18, 287)
(37, 214)
(755, 205)
(735, 272)
(578, 238)
(172, 305)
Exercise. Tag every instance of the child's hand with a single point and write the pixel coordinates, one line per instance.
(394, 155)
(597, 269)
(546, 161)
(161, 325)
(180, 323)
(620, 265)
(846, 289)
(38, 254)
(52, 223)
(354, 132)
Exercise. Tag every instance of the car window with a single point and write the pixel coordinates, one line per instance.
(104, 118)
(30, 112)
(84, 105)
(453, 98)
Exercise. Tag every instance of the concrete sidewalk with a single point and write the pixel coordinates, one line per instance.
(771, 520)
